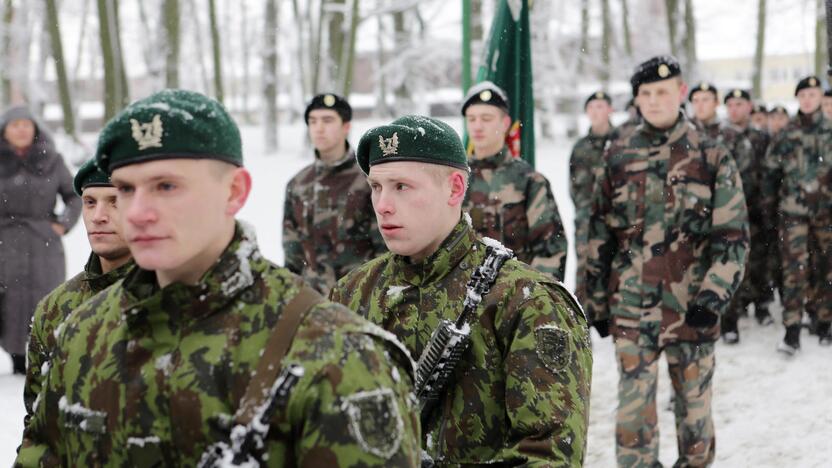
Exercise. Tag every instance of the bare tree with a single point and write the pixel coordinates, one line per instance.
(348, 54)
(606, 32)
(5, 70)
(246, 57)
(673, 24)
(60, 68)
(757, 72)
(691, 63)
(115, 83)
(171, 22)
(270, 76)
(820, 38)
(215, 47)
(625, 23)
(584, 46)
(335, 12)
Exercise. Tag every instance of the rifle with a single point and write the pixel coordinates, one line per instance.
(245, 440)
(450, 340)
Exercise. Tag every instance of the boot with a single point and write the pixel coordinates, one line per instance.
(19, 364)
(824, 334)
(762, 315)
(730, 332)
(791, 342)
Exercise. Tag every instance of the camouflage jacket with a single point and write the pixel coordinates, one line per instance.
(145, 376)
(51, 312)
(800, 171)
(329, 226)
(510, 202)
(668, 229)
(521, 392)
(753, 186)
(587, 154)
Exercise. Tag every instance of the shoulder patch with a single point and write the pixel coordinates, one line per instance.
(552, 346)
(375, 422)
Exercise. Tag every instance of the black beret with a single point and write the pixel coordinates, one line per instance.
(759, 108)
(90, 175)
(656, 69)
(411, 138)
(779, 109)
(703, 86)
(810, 81)
(598, 95)
(486, 92)
(827, 93)
(737, 93)
(329, 101)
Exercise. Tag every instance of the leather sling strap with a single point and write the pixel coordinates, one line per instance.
(277, 345)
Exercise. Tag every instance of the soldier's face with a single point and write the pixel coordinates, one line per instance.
(777, 121)
(598, 112)
(177, 215)
(826, 103)
(809, 99)
(415, 205)
(20, 133)
(327, 131)
(704, 105)
(739, 110)
(759, 120)
(100, 216)
(487, 126)
(659, 101)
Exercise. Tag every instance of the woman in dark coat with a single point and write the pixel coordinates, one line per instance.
(32, 175)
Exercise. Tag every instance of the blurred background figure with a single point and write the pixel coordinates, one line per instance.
(32, 176)
(778, 118)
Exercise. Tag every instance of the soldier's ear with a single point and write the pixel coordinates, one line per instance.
(239, 190)
(506, 121)
(457, 181)
(683, 91)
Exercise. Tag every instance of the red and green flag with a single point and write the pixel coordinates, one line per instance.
(507, 62)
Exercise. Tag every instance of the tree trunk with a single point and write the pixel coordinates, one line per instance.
(380, 109)
(200, 52)
(820, 38)
(246, 60)
(690, 42)
(317, 63)
(606, 32)
(8, 24)
(171, 22)
(60, 68)
(114, 92)
(115, 22)
(215, 45)
(759, 50)
(400, 35)
(270, 76)
(625, 19)
(349, 54)
(584, 45)
(82, 35)
(672, 24)
(477, 29)
(303, 39)
(336, 14)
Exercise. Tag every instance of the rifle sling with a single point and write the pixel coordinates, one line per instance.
(277, 345)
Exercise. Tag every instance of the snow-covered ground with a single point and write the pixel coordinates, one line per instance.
(769, 411)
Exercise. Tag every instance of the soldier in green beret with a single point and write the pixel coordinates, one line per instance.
(518, 391)
(507, 200)
(108, 262)
(207, 352)
(587, 155)
(328, 222)
(668, 237)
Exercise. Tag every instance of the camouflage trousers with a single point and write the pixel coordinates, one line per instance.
(581, 246)
(691, 368)
(757, 285)
(807, 271)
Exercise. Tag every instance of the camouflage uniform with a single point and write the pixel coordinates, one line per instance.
(52, 311)
(133, 384)
(521, 391)
(510, 202)
(668, 238)
(799, 190)
(329, 226)
(587, 154)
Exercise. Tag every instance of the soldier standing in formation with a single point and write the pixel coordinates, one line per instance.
(328, 222)
(759, 117)
(778, 118)
(826, 103)
(507, 200)
(520, 393)
(159, 367)
(587, 155)
(763, 271)
(799, 192)
(109, 261)
(667, 246)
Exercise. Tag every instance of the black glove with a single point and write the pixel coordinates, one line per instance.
(603, 327)
(700, 317)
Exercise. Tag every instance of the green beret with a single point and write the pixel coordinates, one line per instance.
(703, 86)
(329, 101)
(411, 138)
(598, 95)
(658, 68)
(738, 94)
(90, 175)
(809, 82)
(486, 92)
(170, 124)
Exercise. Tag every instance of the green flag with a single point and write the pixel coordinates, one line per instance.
(507, 62)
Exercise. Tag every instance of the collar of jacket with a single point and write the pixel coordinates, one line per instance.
(230, 276)
(99, 281)
(593, 136)
(347, 160)
(437, 265)
(659, 137)
(491, 162)
(809, 120)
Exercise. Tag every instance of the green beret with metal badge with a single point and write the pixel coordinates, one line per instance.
(90, 175)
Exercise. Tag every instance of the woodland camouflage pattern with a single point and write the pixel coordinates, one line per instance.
(52, 311)
(799, 190)
(134, 385)
(669, 228)
(510, 202)
(587, 155)
(329, 226)
(521, 391)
